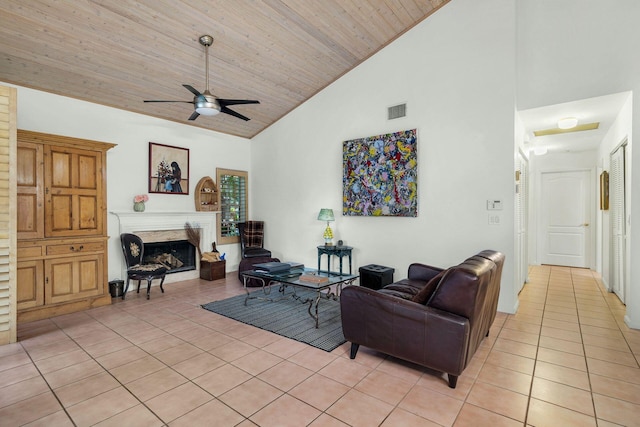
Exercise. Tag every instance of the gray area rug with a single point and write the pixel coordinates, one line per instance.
(287, 317)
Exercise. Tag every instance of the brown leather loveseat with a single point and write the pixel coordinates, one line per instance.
(435, 317)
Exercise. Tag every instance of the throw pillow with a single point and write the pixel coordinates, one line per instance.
(423, 296)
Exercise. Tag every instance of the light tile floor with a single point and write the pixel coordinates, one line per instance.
(566, 358)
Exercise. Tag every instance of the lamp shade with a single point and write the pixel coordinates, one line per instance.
(326, 215)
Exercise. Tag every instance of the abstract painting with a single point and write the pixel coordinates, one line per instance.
(380, 175)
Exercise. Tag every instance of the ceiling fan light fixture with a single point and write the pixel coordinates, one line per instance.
(206, 104)
(207, 111)
(567, 123)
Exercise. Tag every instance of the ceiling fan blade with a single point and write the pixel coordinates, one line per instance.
(194, 115)
(226, 110)
(237, 101)
(186, 102)
(192, 90)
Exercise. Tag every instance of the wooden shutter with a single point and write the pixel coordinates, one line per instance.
(232, 188)
(7, 215)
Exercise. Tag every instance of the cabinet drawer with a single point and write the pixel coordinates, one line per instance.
(30, 252)
(74, 248)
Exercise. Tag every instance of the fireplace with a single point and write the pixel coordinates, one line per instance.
(177, 256)
(157, 227)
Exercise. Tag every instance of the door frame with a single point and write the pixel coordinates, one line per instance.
(522, 239)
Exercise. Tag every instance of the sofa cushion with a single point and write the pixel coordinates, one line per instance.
(457, 290)
(427, 290)
(405, 288)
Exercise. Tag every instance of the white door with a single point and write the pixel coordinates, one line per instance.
(565, 206)
(618, 223)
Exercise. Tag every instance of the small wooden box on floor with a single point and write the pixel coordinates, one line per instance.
(212, 270)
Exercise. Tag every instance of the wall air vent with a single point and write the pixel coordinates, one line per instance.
(397, 111)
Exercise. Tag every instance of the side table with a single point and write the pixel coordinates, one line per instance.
(339, 251)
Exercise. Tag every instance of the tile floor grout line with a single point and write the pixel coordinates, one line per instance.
(584, 350)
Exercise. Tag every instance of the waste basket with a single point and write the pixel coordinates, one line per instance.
(116, 288)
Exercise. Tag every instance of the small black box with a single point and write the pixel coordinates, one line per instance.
(375, 276)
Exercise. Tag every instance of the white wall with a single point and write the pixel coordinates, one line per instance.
(128, 162)
(578, 49)
(456, 74)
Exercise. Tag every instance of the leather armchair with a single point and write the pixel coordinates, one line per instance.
(252, 240)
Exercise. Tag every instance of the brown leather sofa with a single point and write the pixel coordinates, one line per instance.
(435, 317)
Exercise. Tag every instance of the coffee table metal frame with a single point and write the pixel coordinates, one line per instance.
(332, 287)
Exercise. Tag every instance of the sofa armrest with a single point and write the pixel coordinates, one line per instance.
(405, 329)
(423, 272)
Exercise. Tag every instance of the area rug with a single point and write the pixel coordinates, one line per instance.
(288, 317)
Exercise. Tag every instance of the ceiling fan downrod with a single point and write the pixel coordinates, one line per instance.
(206, 41)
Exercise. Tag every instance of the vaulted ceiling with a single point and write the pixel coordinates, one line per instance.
(121, 52)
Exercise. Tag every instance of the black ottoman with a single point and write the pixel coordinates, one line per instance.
(375, 276)
(247, 264)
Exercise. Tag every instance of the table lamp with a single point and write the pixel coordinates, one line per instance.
(327, 215)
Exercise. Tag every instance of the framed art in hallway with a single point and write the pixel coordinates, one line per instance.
(604, 191)
(168, 169)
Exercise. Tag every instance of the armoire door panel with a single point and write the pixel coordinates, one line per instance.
(28, 222)
(61, 214)
(88, 172)
(89, 271)
(88, 217)
(61, 169)
(29, 160)
(30, 284)
(59, 280)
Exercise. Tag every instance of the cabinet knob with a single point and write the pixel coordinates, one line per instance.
(73, 248)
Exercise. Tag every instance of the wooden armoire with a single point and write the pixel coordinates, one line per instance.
(61, 225)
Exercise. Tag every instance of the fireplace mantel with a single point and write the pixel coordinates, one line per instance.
(131, 222)
(139, 222)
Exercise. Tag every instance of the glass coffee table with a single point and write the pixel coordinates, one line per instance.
(324, 284)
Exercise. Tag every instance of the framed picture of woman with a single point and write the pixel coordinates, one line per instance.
(168, 169)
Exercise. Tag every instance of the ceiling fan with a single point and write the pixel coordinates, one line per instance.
(206, 103)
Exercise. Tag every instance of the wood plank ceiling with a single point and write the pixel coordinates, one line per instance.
(120, 52)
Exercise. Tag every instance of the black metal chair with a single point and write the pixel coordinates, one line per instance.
(133, 250)
(252, 239)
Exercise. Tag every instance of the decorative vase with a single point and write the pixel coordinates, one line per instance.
(138, 206)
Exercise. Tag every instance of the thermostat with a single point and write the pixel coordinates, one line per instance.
(494, 205)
